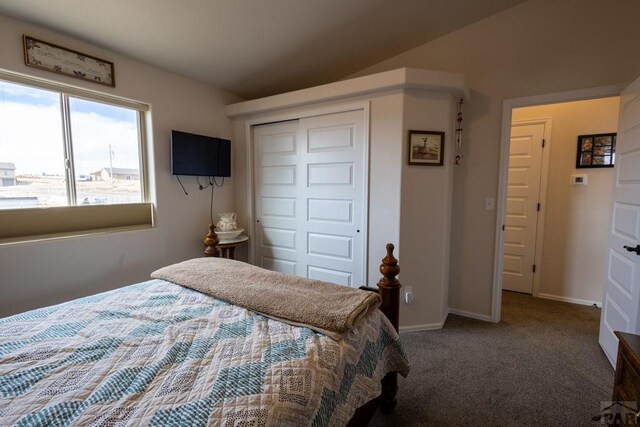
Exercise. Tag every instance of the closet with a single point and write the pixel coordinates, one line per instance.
(309, 199)
(322, 182)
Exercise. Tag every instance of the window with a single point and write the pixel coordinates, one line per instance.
(66, 147)
(57, 142)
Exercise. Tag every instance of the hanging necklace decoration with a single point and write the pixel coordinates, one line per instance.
(458, 158)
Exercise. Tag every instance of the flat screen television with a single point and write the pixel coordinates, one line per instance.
(199, 155)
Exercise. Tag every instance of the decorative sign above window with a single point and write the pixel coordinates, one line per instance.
(50, 57)
(596, 151)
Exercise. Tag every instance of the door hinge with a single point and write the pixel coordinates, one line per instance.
(538, 207)
(534, 268)
(502, 227)
(542, 142)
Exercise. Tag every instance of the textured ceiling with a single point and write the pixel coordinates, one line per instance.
(255, 48)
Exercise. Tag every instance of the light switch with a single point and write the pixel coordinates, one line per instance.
(490, 204)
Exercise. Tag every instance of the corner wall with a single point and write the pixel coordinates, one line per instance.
(42, 273)
(577, 218)
(425, 215)
(537, 47)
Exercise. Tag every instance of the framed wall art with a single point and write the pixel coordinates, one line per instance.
(58, 59)
(596, 151)
(426, 148)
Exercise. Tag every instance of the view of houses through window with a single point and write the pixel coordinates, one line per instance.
(60, 150)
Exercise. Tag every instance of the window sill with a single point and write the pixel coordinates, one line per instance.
(37, 224)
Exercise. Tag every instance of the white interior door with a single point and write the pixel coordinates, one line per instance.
(523, 193)
(310, 197)
(621, 299)
(277, 177)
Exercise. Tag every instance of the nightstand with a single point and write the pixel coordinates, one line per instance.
(228, 247)
(626, 386)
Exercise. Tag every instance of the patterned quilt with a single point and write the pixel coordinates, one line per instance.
(159, 354)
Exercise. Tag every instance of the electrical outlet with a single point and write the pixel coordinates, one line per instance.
(408, 294)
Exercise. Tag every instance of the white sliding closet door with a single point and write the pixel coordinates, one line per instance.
(276, 172)
(333, 199)
(310, 197)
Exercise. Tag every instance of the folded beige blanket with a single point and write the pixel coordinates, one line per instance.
(324, 307)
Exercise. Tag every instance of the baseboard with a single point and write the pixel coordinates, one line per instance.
(423, 327)
(439, 325)
(571, 300)
(470, 314)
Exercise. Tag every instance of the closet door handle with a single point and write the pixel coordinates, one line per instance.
(631, 249)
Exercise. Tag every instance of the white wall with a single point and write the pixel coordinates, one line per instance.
(537, 47)
(42, 273)
(425, 215)
(577, 218)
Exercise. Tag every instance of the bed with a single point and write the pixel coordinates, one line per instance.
(157, 353)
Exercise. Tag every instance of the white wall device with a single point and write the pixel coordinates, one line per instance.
(490, 204)
(408, 294)
(578, 179)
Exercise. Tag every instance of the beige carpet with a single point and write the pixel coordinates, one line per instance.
(540, 366)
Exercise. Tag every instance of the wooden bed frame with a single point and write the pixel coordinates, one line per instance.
(389, 290)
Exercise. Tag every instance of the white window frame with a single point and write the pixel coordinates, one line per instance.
(74, 219)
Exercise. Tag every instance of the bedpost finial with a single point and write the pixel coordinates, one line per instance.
(389, 269)
(390, 249)
(211, 242)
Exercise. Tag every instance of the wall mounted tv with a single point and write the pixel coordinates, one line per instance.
(199, 155)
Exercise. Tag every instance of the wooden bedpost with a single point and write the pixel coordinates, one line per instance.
(211, 242)
(389, 289)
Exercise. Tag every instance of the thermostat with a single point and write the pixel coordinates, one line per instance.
(578, 179)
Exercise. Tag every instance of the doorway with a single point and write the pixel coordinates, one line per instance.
(562, 240)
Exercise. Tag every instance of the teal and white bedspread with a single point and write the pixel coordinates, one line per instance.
(159, 354)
